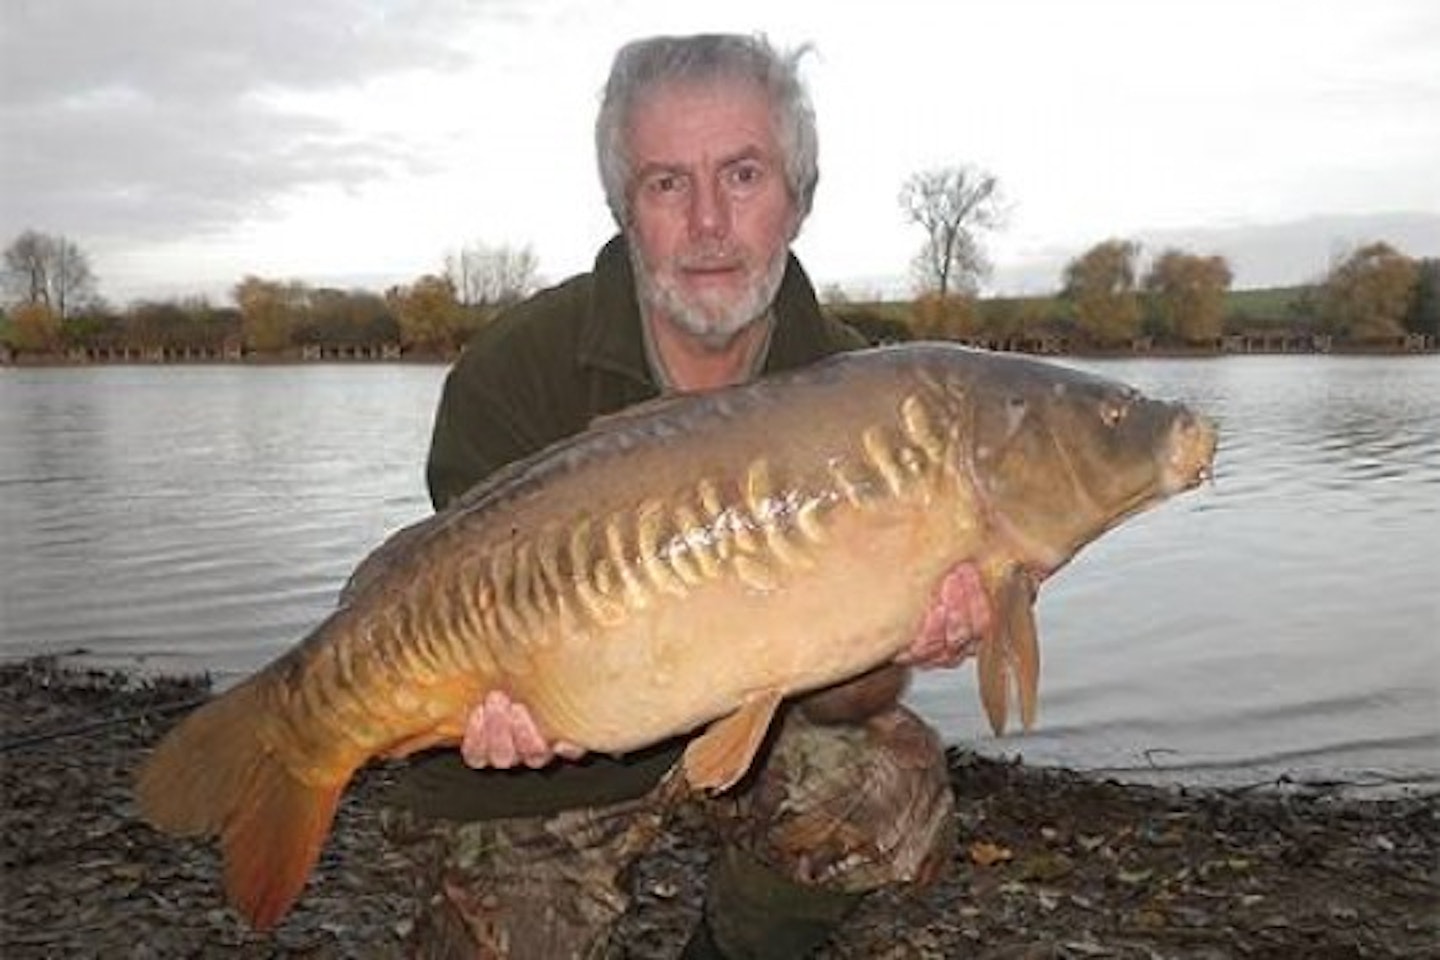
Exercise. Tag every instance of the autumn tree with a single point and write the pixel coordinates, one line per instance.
(953, 205)
(1013, 317)
(192, 323)
(953, 317)
(489, 276)
(429, 313)
(150, 324)
(348, 316)
(1100, 289)
(34, 328)
(1187, 292)
(94, 326)
(1367, 295)
(50, 271)
(1423, 316)
(270, 312)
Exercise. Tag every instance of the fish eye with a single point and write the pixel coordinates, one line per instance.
(1114, 408)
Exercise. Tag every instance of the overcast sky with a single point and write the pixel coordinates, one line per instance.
(186, 143)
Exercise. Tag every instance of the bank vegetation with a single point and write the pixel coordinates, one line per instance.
(1108, 300)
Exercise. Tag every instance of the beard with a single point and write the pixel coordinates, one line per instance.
(713, 317)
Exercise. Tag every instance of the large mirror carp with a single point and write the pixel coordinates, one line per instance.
(681, 566)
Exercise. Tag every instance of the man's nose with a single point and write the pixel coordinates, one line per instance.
(709, 210)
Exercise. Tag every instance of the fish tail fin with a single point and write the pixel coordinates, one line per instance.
(214, 774)
(1009, 658)
(273, 842)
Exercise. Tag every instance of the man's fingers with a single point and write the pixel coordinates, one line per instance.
(501, 733)
(529, 745)
(958, 617)
(472, 744)
(499, 737)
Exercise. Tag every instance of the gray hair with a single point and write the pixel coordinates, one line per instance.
(642, 66)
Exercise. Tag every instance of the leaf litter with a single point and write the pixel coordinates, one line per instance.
(1049, 863)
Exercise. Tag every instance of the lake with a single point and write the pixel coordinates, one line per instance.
(1281, 622)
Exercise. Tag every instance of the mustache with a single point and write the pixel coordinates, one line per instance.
(711, 257)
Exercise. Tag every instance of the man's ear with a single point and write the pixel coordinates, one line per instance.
(796, 219)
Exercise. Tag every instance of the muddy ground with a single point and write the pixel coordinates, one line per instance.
(1051, 864)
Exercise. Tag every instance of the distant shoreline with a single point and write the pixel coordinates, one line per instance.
(390, 354)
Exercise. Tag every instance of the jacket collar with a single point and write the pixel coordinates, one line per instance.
(612, 338)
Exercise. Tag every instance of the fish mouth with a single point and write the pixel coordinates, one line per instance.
(1191, 457)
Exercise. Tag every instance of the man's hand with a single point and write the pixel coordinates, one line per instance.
(956, 622)
(501, 733)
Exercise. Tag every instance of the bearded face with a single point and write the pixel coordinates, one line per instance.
(713, 312)
(711, 215)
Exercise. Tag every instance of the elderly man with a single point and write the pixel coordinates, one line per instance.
(707, 153)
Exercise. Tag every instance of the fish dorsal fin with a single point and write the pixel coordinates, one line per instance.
(1010, 655)
(396, 549)
(719, 757)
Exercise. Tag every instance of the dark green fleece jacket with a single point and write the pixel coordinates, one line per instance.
(539, 373)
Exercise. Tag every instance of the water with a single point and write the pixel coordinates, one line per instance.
(198, 518)
(1281, 622)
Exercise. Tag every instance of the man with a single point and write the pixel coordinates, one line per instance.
(707, 152)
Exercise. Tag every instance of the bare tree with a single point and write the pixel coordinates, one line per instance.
(953, 205)
(48, 271)
(486, 276)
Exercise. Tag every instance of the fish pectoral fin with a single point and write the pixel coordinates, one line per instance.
(1024, 647)
(1009, 657)
(719, 757)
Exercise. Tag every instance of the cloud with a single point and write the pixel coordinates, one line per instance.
(161, 119)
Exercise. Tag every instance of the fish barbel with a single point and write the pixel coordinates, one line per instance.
(688, 562)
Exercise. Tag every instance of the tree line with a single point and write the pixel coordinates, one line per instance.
(52, 308)
(1375, 295)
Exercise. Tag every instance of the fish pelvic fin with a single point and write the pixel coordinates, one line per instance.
(214, 774)
(720, 756)
(1009, 658)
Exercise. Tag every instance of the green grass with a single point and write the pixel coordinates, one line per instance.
(1265, 306)
(1271, 304)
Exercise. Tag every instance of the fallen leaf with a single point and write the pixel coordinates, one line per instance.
(1134, 877)
(983, 853)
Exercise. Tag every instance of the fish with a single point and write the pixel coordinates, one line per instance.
(683, 567)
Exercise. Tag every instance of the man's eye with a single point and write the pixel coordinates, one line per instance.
(665, 183)
(746, 174)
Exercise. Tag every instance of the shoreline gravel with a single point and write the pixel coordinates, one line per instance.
(1051, 863)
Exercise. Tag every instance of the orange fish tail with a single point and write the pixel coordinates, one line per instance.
(215, 774)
